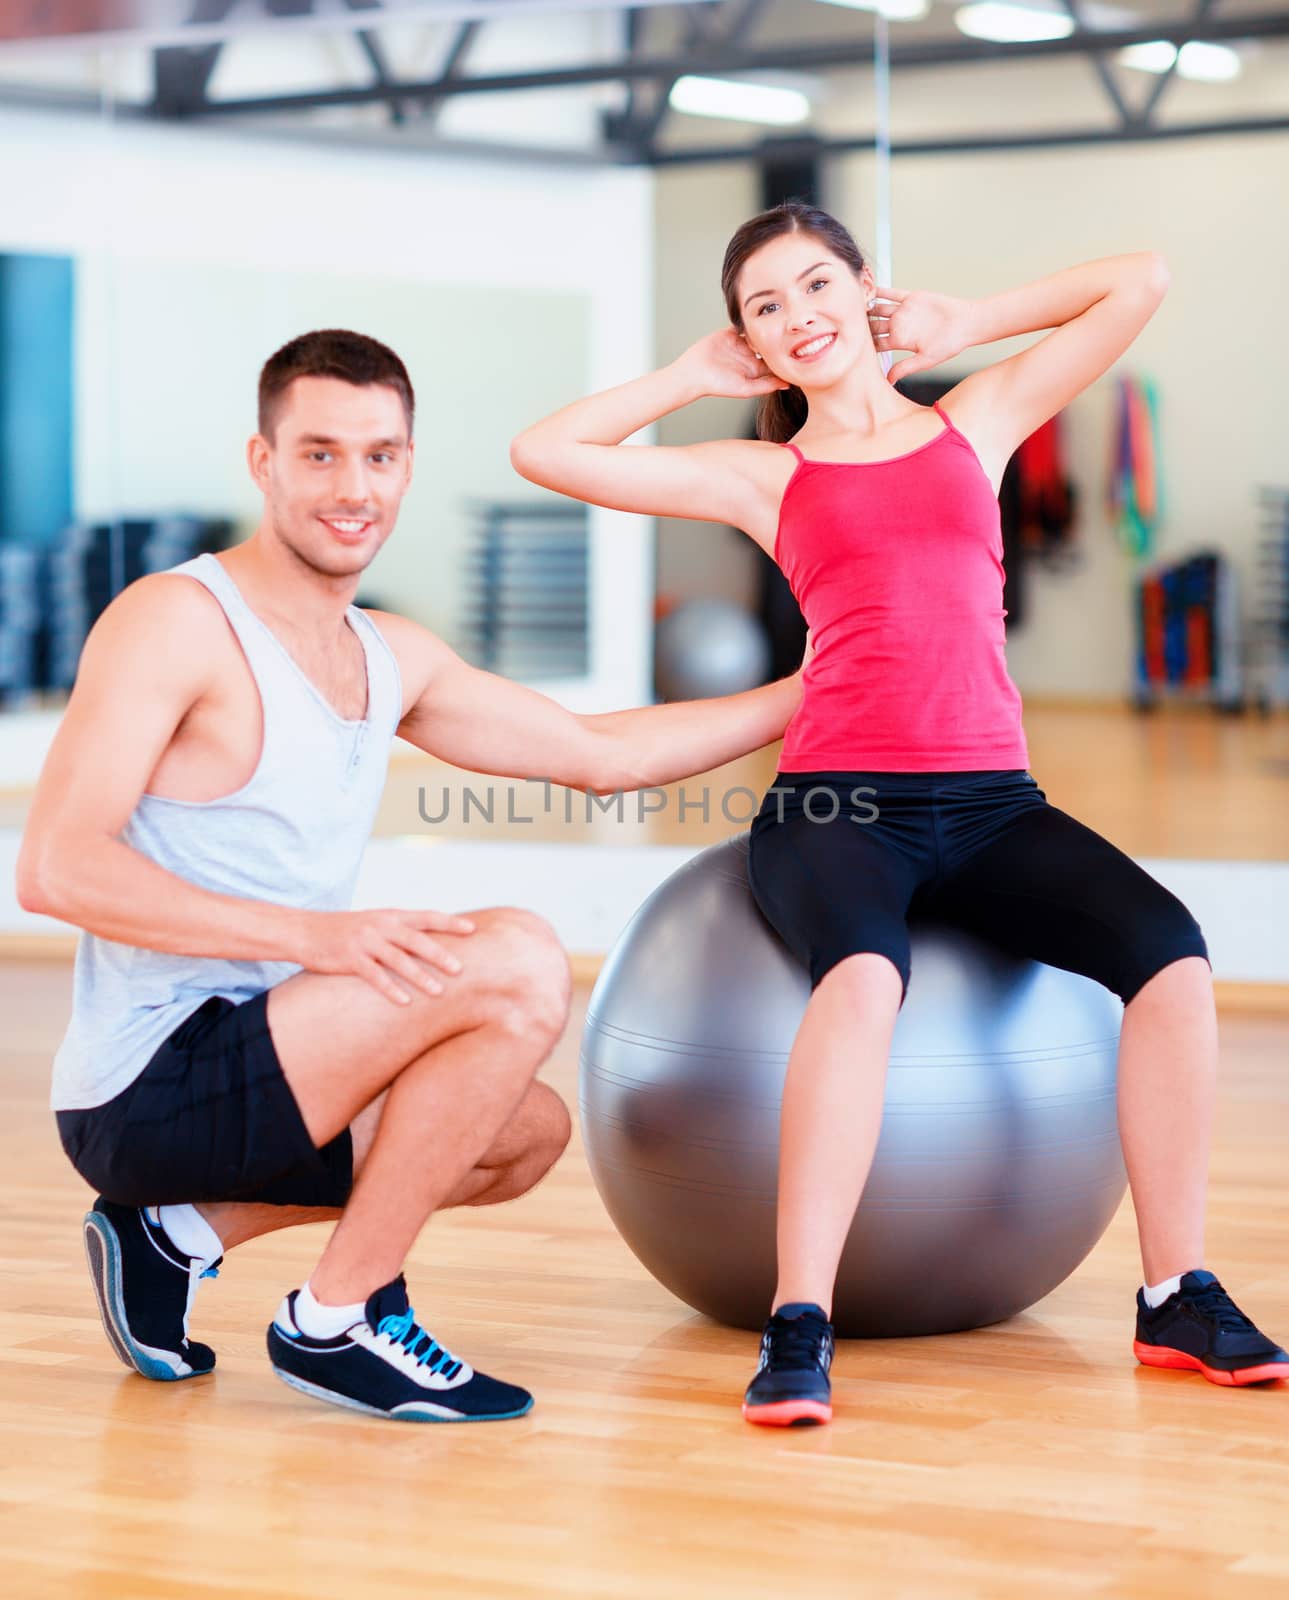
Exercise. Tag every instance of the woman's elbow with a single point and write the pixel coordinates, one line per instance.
(524, 457)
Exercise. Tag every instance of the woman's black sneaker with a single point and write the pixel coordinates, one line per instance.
(791, 1386)
(1199, 1328)
(145, 1288)
(388, 1366)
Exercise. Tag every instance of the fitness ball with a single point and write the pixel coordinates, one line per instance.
(998, 1166)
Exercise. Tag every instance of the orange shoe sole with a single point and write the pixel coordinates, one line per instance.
(788, 1413)
(1154, 1355)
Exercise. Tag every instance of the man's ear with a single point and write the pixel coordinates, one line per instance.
(257, 459)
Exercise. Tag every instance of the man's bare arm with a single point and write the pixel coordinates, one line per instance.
(145, 664)
(486, 723)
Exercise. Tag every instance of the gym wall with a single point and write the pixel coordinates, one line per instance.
(976, 223)
(508, 289)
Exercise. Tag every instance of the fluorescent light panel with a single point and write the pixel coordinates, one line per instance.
(1203, 63)
(1002, 22)
(892, 10)
(739, 101)
(1010, 24)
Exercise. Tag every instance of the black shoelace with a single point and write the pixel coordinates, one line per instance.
(797, 1341)
(1213, 1301)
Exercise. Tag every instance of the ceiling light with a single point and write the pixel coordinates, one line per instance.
(1003, 23)
(892, 10)
(1204, 63)
(741, 102)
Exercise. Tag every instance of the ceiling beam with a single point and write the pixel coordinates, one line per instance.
(450, 71)
(633, 38)
(182, 73)
(1127, 116)
(850, 52)
(1165, 78)
(976, 144)
(371, 47)
(58, 101)
(708, 29)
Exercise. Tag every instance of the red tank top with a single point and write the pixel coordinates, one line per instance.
(898, 568)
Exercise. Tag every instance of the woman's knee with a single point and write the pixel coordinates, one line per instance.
(1172, 939)
(1171, 981)
(868, 976)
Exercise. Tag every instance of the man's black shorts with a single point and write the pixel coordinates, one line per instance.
(211, 1117)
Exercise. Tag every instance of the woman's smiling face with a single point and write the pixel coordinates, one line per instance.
(804, 311)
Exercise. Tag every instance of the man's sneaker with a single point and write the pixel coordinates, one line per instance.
(145, 1288)
(388, 1366)
(1199, 1328)
(791, 1385)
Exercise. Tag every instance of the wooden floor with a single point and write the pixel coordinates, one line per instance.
(1030, 1459)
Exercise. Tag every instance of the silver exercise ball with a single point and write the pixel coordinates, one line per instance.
(998, 1166)
(707, 648)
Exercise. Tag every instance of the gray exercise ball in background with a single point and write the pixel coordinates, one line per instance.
(998, 1166)
(707, 648)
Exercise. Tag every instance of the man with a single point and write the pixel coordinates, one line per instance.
(245, 1052)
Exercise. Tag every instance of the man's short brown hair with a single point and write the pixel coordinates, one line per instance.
(331, 353)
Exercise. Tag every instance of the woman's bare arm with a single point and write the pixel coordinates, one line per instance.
(1053, 301)
(1095, 310)
(579, 450)
(1102, 308)
(936, 327)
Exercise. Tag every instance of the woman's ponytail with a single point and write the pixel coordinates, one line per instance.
(781, 415)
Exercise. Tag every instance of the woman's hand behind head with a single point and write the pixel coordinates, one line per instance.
(935, 327)
(722, 365)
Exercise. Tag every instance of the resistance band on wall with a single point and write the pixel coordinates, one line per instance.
(1047, 497)
(1134, 498)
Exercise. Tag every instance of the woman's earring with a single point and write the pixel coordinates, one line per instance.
(758, 355)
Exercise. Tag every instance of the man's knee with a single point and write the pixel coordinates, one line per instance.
(555, 1125)
(552, 1131)
(532, 981)
(533, 1149)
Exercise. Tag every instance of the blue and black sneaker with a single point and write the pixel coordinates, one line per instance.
(791, 1386)
(1199, 1328)
(388, 1366)
(145, 1288)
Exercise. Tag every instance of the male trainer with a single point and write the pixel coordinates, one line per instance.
(245, 1052)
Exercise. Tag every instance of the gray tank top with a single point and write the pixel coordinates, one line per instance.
(293, 835)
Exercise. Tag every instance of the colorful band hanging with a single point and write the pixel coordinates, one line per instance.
(1135, 493)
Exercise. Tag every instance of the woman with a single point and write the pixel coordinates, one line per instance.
(883, 516)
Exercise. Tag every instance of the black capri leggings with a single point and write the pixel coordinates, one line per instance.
(838, 860)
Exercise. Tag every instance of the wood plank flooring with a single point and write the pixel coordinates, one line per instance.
(1033, 1458)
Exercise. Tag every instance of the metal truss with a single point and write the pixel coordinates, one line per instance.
(715, 37)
